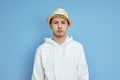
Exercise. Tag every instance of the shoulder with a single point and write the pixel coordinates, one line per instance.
(77, 44)
(42, 46)
(40, 49)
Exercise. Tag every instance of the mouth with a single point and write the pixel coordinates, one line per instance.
(59, 31)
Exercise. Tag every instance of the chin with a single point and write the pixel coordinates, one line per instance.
(60, 35)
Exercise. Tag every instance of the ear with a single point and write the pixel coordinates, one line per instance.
(50, 25)
(68, 25)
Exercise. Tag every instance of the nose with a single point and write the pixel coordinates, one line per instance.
(59, 26)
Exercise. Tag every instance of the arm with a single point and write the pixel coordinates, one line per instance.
(82, 66)
(38, 72)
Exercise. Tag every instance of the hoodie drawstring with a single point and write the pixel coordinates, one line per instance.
(62, 62)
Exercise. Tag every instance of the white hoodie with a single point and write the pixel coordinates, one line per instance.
(60, 62)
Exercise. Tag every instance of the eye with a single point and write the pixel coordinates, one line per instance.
(55, 22)
(63, 22)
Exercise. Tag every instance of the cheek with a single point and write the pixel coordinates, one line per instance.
(66, 27)
(53, 28)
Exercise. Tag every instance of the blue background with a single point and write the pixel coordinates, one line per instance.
(23, 27)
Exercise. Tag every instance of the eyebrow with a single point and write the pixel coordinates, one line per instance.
(64, 20)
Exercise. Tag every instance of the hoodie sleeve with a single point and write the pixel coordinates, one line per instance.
(82, 66)
(38, 72)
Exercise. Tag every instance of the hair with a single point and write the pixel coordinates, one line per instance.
(61, 16)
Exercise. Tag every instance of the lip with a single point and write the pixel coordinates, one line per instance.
(59, 31)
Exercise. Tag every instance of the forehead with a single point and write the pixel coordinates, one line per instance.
(59, 18)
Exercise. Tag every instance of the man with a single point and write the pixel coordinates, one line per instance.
(60, 57)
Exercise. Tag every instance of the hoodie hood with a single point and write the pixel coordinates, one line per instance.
(52, 42)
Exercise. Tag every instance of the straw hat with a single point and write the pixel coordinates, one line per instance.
(59, 12)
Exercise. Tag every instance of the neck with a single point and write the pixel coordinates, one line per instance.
(59, 39)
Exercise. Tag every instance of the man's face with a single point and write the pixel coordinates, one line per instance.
(59, 26)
